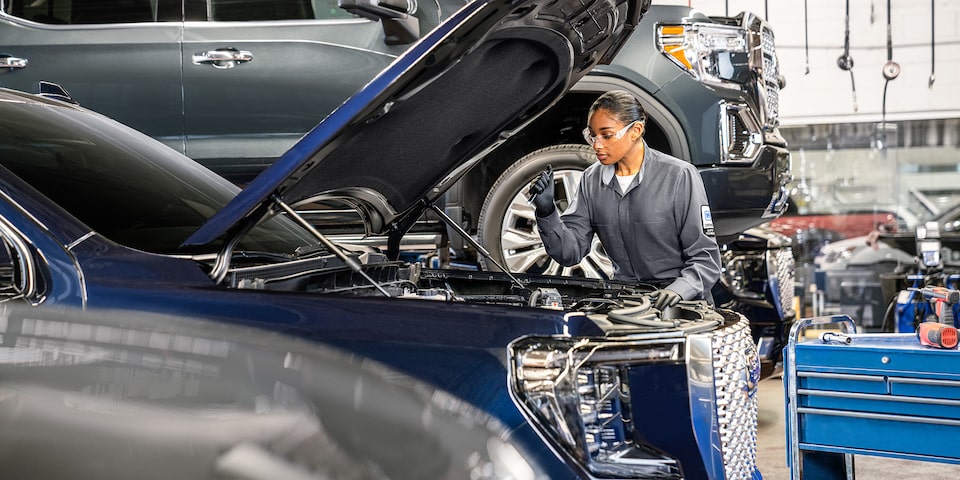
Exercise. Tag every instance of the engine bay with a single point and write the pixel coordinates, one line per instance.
(615, 306)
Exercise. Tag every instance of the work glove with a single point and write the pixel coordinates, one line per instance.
(665, 298)
(540, 193)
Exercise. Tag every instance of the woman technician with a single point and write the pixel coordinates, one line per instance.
(649, 209)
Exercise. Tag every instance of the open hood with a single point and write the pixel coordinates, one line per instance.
(404, 138)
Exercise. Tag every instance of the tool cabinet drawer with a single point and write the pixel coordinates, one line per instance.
(842, 382)
(882, 374)
(925, 387)
(914, 397)
(879, 354)
(824, 429)
(875, 394)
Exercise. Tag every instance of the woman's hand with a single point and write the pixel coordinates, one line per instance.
(665, 298)
(541, 193)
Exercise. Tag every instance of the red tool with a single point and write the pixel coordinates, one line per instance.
(942, 297)
(935, 334)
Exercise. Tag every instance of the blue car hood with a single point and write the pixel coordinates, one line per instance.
(400, 141)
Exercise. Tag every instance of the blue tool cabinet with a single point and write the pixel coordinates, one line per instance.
(880, 394)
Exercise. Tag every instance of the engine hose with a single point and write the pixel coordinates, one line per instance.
(594, 305)
(641, 314)
(699, 326)
(640, 304)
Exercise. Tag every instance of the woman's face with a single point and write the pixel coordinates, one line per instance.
(610, 138)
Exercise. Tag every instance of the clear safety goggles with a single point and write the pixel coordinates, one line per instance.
(606, 138)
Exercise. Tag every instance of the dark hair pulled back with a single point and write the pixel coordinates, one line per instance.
(621, 105)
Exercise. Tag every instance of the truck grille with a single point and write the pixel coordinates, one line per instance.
(771, 79)
(736, 373)
(782, 262)
(580, 394)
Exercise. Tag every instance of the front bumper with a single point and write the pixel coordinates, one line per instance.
(665, 405)
(745, 196)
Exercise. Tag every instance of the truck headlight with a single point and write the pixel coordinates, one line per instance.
(714, 54)
(737, 55)
(577, 393)
(592, 400)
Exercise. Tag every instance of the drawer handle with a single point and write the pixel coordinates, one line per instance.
(880, 416)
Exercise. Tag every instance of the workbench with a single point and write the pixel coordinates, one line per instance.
(880, 394)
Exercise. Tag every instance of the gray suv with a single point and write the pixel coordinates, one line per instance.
(235, 83)
(230, 83)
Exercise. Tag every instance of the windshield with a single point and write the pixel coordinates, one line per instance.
(124, 185)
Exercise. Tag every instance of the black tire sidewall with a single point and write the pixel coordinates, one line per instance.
(516, 179)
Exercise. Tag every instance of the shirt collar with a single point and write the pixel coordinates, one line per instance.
(607, 172)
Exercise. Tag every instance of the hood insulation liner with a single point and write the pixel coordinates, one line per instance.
(424, 136)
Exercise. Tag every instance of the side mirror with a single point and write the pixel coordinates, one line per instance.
(400, 26)
(55, 91)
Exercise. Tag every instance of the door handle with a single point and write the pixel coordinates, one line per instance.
(12, 63)
(228, 57)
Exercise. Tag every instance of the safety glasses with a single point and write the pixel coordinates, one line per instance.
(606, 138)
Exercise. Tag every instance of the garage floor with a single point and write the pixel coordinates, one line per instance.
(772, 453)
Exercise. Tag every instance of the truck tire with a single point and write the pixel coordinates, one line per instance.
(507, 225)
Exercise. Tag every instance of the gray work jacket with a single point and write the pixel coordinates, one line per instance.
(660, 231)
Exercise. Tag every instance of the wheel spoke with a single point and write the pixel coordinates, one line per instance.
(521, 247)
(523, 262)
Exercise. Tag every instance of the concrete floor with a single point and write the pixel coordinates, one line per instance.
(772, 451)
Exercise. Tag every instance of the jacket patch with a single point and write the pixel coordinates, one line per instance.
(706, 218)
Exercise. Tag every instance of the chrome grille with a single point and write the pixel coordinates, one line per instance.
(771, 79)
(736, 373)
(783, 266)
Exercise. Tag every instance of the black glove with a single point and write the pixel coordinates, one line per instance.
(541, 192)
(665, 298)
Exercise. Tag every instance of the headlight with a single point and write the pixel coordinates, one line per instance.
(740, 57)
(714, 54)
(578, 395)
(591, 399)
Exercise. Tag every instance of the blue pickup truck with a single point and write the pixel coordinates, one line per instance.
(588, 377)
(234, 84)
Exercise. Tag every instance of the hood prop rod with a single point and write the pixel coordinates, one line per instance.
(334, 248)
(469, 238)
